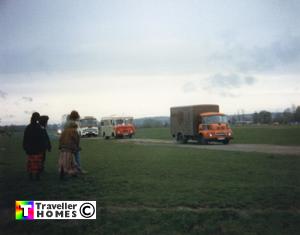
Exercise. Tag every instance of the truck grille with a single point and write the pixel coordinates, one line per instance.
(220, 134)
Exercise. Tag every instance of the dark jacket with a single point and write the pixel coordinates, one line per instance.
(46, 139)
(33, 140)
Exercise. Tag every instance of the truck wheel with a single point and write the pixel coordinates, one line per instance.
(181, 139)
(105, 137)
(203, 141)
(226, 141)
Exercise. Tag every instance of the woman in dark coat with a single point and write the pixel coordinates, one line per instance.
(33, 144)
(43, 121)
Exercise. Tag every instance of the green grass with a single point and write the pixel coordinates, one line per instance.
(153, 133)
(159, 190)
(280, 135)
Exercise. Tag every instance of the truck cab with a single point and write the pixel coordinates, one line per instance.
(120, 126)
(88, 126)
(214, 126)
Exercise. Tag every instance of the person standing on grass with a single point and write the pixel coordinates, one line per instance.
(74, 118)
(43, 121)
(68, 146)
(33, 145)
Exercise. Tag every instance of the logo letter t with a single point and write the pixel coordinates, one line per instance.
(25, 209)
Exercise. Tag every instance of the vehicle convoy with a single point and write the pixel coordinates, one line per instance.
(88, 126)
(120, 126)
(203, 123)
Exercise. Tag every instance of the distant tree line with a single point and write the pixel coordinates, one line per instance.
(289, 115)
(152, 122)
(10, 129)
(262, 117)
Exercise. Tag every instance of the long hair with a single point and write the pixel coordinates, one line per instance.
(74, 115)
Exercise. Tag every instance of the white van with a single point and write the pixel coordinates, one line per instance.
(88, 126)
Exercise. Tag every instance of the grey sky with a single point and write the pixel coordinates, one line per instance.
(186, 50)
(3, 94)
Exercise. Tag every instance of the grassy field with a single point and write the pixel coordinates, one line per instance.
(158, 190)
(281, 135)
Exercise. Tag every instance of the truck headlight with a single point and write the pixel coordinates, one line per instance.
(229, 133)
(210, 135)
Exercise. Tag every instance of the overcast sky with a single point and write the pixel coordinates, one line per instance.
(139, 57)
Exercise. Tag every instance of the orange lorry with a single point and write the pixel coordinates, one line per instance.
(203, 123)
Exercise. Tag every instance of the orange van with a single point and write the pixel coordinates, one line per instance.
(120, 126)
(203, 123)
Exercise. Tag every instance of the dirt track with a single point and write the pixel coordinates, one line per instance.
(261, 148)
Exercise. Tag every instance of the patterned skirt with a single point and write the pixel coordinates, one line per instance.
(34, 163)
(66, 163)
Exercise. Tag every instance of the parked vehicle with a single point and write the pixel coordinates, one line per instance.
(120, 126)
(88, 126)
(203, 123)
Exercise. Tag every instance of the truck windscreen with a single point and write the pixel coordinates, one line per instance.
(123, 121)
(128, 121)
(214, 119)
(88, 122)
